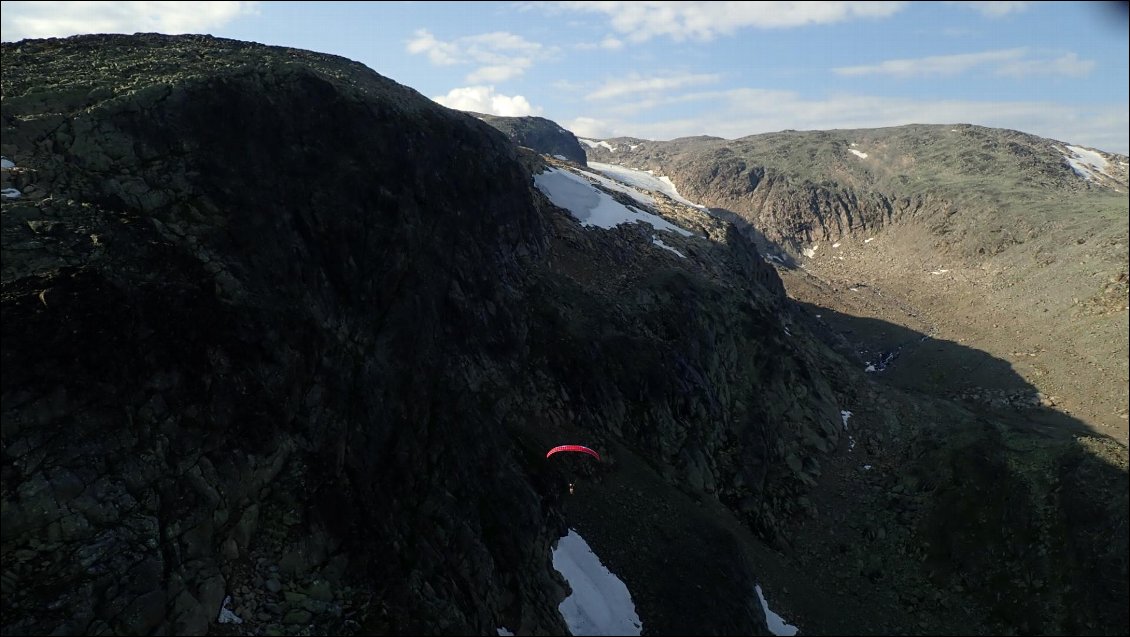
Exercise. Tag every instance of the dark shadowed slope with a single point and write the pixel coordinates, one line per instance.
(236, 335)
(276, 325)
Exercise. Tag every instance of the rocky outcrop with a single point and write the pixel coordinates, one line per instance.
(240, 323)
(538, 134)
(284, 341)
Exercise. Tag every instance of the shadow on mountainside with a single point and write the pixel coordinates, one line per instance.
(971, 517)
(771, 250)
(962, 503)
(913, 361)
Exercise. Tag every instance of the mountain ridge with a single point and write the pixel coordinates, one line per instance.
(991, 220)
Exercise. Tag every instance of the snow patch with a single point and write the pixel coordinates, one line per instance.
(644, 180)
(869, 240)
(591, 206)
(939, 271)
(858, 154)
(6, 163)
(777, 625)
(836, 244)
(592, 143)
(503, 632)
(1086, 162)
(811, 251)
(618, 186)
(884, 360)
(226, 615)
(659, 242)
(10, 193)
(600, 603)
(562, 157)
(674, 192)
(845, 414)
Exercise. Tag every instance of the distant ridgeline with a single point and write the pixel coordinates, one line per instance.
(538, 134)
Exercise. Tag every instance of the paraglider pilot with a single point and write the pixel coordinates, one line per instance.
(578, 448)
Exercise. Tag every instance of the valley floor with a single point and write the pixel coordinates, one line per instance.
(963, 334)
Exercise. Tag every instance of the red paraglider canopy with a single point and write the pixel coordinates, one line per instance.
(573, 448)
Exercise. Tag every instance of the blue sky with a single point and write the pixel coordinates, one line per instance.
(660, 70)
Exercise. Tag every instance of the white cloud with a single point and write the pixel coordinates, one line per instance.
(21, 20)
(496, 73)
(609, 43)
(1014, 62)
(498, 56)
(567, 86)
(484, 99)
(933, 65)
(628, 108)
(590, 128)
(994, 9)
(740, 112)
(439, 53)
(1068, 64)
(650, 85)
(642, 21)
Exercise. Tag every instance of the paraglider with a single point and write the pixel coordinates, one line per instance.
(573, 448)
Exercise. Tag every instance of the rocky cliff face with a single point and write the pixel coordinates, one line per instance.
(977, 190)
(279, 329)
(538, 134)
(241, 340)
